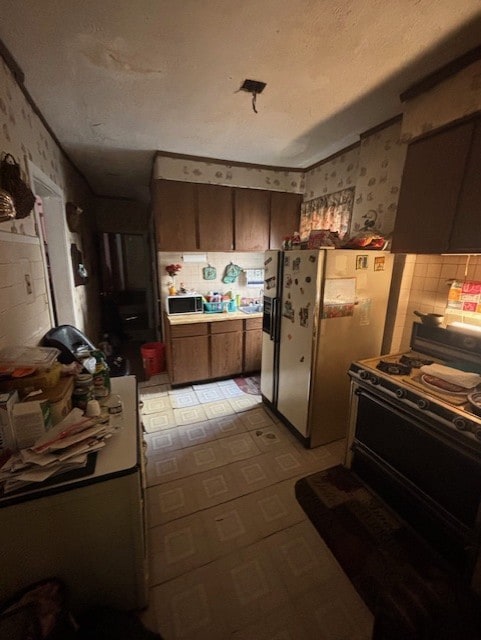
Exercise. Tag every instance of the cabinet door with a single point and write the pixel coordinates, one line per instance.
(430, 189)
(216, 217)
(190, 359)
(174, 215)
(252, 350)
(226, 354)
(252, 214)
(466, 232)
(285, 216)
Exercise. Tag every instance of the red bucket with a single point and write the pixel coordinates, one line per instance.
(153, 358)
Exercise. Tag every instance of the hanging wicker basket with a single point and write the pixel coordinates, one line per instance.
(12, 182)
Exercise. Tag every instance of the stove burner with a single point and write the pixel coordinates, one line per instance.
(416, 363)
(394, 368)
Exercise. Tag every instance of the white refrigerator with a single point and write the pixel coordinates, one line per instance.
(323, 309)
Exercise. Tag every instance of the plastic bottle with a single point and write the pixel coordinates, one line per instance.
(101, 376)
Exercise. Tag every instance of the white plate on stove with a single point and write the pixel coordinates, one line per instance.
(442, 389)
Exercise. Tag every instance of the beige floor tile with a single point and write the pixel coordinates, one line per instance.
(276, 507)
(153, 381)
(162, 441)
(159, 421)
(189, 415)
(197, 433)
(256, 417)
(244, 403)
(203, 457)
(166, 467)
(177, 547)
(218, 409)
(216, 486)
(155, 403)
(191, 607)
(211, 394)
(251, 586)
(230, 526)
(184, 397)
(239, 447)
(289, 463)
(227, 426)
(270, 438)
(255, 473)
(302, 558)
(231, 391)
(171, 500)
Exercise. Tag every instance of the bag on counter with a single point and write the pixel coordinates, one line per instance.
(11, 181)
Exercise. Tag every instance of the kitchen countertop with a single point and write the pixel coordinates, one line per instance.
(193, 318)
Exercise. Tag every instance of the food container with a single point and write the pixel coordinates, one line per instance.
(21, 356)
(40, 379)
(59, 398)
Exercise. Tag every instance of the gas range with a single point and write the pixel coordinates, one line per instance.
(398, 377)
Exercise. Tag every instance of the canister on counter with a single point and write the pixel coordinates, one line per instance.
(101, 376)
(80, 397)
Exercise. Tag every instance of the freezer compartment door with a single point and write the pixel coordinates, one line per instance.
(298, 310)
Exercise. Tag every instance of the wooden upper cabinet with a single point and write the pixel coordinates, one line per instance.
(216, 217)
(430, 189)
(466, 231)
(252, 219)
(285, 216)
(175, 215)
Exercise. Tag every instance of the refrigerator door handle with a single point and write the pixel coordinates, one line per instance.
(272, 319)
(274, 333)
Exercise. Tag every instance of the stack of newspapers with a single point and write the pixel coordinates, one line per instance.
(62, 448)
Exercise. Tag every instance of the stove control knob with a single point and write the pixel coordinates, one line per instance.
(374, 380)
(461, 424)
(423, 404)
(364, 375)
(401, 393)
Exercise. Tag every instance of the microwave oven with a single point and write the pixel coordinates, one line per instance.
(184, 304)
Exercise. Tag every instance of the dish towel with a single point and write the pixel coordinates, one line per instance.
(454, 376)
(254, 276)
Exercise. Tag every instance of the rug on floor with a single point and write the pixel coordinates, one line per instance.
(251, 384)
(411, 593)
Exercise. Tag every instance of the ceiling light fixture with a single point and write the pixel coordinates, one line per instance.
(254, 87)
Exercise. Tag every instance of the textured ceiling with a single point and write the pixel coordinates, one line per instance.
(117, 81)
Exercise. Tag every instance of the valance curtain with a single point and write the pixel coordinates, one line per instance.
(331, 212)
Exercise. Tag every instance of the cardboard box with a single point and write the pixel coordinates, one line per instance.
(31, 419)
(7, 435)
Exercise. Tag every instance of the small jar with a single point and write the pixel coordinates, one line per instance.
(80, 397)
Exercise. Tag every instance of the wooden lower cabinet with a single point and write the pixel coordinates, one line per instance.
(226, 354)
(190, 358)
(204, 351)
(252, 350)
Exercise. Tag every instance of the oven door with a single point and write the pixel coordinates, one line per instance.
(430, 480)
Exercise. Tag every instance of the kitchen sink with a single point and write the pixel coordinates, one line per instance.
(252, 308)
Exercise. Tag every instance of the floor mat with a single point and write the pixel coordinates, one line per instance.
(251, 384)
(408, 589)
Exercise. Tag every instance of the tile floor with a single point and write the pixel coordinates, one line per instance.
(232, 555)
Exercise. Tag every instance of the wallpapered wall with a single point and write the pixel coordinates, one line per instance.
(168, 168)
(374, 168)
(451, 99)
(24, 319)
